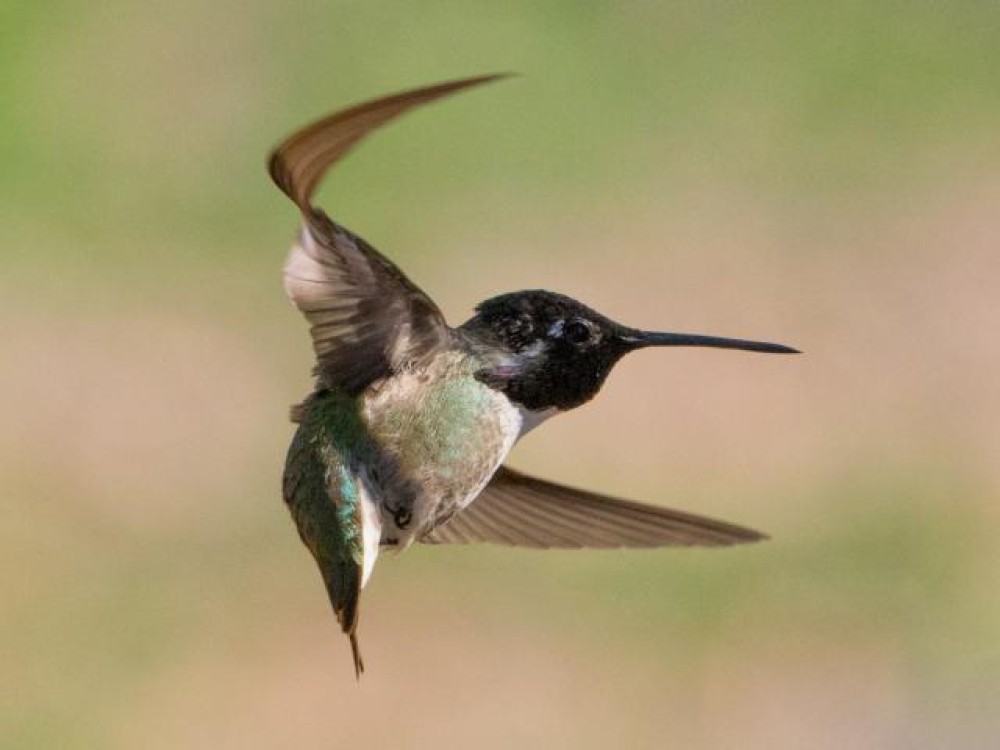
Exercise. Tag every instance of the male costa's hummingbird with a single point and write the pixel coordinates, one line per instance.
(404, 436)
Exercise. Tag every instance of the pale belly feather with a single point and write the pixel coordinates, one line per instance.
(441, 435)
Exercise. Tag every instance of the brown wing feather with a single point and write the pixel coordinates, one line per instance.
(297, 166)
(517, 510)
(368, 319)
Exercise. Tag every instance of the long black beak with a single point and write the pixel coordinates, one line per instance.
(639, 339)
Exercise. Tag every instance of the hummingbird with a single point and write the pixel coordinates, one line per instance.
(404, 435)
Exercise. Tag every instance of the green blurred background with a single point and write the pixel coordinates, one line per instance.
(821, 175)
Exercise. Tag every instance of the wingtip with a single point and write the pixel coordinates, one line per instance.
(492, 77)
(751, 536)
(298, 163)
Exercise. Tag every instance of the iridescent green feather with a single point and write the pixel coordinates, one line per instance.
(323, 495)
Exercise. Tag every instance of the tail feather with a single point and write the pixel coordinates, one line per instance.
(343, 585)
(359, 664)
(326, 500)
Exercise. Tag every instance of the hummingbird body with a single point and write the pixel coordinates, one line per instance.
(388, 466)
(440, 434)
(420, 445)
(404, 437)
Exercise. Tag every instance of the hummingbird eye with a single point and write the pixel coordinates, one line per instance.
(578, 332)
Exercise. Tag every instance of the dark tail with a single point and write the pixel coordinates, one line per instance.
(359, 664)
(343, 584)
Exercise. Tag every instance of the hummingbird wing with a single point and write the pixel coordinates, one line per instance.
(368, 319)
(521, 511)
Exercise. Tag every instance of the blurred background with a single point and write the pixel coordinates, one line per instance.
(827, 177)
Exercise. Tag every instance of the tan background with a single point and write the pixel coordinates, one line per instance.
(825, 177)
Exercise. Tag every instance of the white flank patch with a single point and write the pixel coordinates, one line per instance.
(371, 532)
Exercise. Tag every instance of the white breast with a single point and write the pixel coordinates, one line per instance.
(531, 419)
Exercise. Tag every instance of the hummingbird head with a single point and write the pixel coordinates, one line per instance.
(546, 350)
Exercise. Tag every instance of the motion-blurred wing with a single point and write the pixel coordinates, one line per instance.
(521, 511)
(368, 320)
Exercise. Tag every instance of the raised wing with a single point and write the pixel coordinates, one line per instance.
(521, 511)
(368, 320)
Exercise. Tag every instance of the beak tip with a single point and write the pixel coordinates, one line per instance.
(782, 349)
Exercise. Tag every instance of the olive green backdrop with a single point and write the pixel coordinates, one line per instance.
(825, 176)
